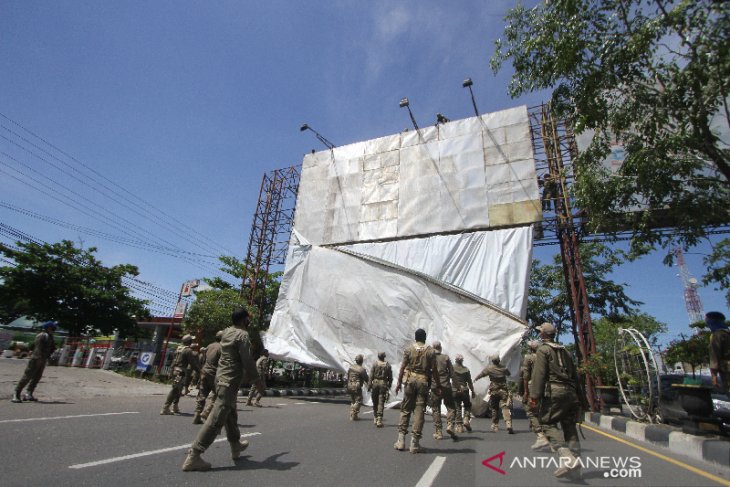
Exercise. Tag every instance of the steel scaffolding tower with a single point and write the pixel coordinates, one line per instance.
(555, 149)
(270, 232)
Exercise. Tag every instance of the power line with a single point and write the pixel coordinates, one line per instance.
(88, 211)
(164, 297)
(154, 220)
(92, 170)
(90, 231)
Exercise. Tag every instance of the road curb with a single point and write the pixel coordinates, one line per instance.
(710, 448)
(299, 392)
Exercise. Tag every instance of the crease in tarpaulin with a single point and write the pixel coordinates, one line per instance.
(437, 282)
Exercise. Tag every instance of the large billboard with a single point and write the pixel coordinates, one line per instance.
(470, 174)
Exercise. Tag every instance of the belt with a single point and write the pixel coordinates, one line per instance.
(417, 375)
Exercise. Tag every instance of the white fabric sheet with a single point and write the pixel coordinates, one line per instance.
(469, 174)
(334, 305)
(494, 265)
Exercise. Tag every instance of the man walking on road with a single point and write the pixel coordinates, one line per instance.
(524, 390)
(184, 357)
(419, 368)
(42, 349)
(235, 362)
(499, 395)
(445, 370)
(357, 376)
(554, 398)
(381, 378)
(462, 384)
(206, 386)
(262, 366)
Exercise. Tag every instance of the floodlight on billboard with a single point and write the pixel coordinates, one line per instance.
(471, 174)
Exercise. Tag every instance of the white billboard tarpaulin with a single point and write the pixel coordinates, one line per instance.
(334, 304)
(494, 265)
(469, 174)
(398, 233)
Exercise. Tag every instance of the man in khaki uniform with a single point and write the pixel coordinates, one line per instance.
(462, 384)
(499, 395)
(42, 349)
(357, 376)
(184, 357)
(554, 390)
(524, 390)
(419, 367)
(206, 385)
(235, 362)
(445, 370)
(262, 366)
(719, 350)
(381, 378)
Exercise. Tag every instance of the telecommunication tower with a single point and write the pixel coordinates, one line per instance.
(691, 298)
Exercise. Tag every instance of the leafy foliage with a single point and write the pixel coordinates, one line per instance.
(605, 331)
(211, 311)
(653, 75)
(694, 351)
(549, 299)
(718, 267)
(212, 308)
(63, 283)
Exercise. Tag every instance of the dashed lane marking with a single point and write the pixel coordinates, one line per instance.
(430, 475)
(48, 418)
(144, 454)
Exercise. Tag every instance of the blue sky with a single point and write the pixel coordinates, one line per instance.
(176, 109)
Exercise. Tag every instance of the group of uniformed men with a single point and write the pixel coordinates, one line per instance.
(225, 364)
(548, 383)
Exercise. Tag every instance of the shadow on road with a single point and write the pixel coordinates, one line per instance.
(270, 463)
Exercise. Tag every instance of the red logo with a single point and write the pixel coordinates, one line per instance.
(487, 463)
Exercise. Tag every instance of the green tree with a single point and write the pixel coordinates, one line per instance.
(265, 295)
(605, 331)
(211, 311)
(718, 267)
(652, 74)
(549, 296)
(63, 283)
(693, 351)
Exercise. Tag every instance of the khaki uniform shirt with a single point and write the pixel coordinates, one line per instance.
(419, 359)
(262, 366)
(720, 350)
(526, 371)
(382, 371)
(357, 376)
(184, 357)
(445, 368)
(211, 358)
(236, 360)
(461, 378)
(553, 365)
(43, 346)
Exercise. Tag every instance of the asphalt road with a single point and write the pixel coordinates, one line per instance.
(122, 440)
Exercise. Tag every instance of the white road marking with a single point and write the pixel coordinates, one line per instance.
(368, 412)
(432, 472)
(283, 404)
(144, 454)
(301, 403)
(48, 418)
